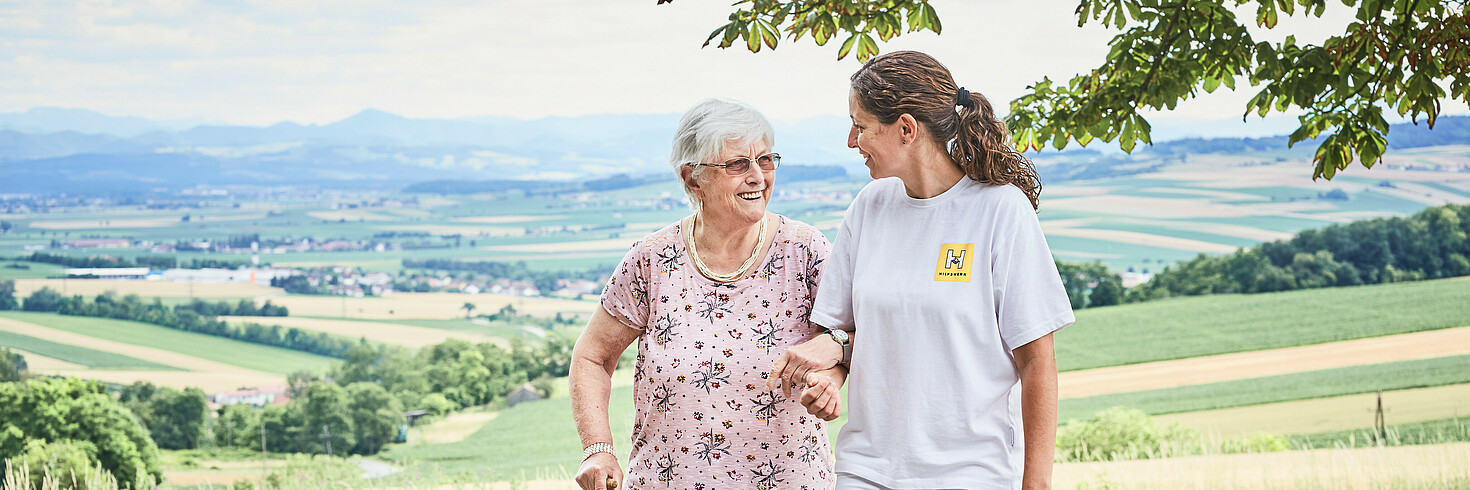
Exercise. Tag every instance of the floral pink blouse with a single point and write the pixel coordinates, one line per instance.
(702, 420)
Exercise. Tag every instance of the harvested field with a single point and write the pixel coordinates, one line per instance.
(387, 333)
(161, 222)
(350, 215)
(1329, 414)
(454, 428)
(1431, 466)
(1255, 364)
(146, 289)
(210, 382)
(497, 220)
(557, 247)
(1136, 238)
(160, 356)
(424, 305)
(466, 230)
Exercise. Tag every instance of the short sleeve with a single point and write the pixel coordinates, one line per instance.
(833, 308)
(626, 294)
(1030, 300)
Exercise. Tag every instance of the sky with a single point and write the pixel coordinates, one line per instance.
(259, 62)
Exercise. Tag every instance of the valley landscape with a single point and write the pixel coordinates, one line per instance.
(1270, 390)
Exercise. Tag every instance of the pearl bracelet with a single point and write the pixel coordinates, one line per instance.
(597, 447)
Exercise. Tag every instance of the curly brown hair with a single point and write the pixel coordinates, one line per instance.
(914, 83)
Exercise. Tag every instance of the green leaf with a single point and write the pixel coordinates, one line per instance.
(1211, 83)
(847, 46)
(867, 47)
(933, 16)
(753, 38)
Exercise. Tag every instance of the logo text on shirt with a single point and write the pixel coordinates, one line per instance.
(954, 262)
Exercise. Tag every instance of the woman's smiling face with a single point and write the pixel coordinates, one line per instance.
(742, 197)
(878, 143)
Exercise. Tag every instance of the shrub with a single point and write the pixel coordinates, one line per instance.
(1118, 433)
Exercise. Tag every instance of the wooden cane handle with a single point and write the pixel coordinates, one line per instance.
(612, 484)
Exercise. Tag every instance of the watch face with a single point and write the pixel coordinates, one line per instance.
(840, 335)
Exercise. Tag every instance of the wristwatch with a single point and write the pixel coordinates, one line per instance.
(841, 337)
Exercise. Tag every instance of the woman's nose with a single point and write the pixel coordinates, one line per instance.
(852, 138)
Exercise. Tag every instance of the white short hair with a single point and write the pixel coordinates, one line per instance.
(707, 127)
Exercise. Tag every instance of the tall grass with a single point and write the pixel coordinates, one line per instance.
(1442, 431)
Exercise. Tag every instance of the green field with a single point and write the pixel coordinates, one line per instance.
(531, 439)
(1271, 389)
(226, 351)
(93, 359)
(1220, 324)
(1455, 429)
(29, 270)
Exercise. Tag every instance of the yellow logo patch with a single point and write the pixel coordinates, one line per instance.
(954, 262)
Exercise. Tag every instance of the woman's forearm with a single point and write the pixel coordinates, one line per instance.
(591, 387)
(1038, 370)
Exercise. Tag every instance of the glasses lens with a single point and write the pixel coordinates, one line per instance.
(737, 166)
(770, 161)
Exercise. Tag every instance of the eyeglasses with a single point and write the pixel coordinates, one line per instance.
(739, 166)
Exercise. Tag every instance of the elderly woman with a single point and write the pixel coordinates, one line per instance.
(712, 300)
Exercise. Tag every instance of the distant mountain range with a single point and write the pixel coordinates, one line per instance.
(49, 150)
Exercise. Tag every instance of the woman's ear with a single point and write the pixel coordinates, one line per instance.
(686, 173)
(908, 128)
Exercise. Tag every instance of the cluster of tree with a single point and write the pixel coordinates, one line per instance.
(95, 262)
(149, 261)
(12, 366)
(175, 419)
(299, 285)
(79, 414)
(6, 226)
(1090, 284)
(7, 295)
(131, 307)
(324, 418)
(244, 308)
(545, 281)
(243, 241)
(1430, 244)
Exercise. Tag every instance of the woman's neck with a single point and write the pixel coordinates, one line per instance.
(931, 175)
(725, 239)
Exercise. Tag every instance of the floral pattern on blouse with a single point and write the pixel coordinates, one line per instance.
(701, 419)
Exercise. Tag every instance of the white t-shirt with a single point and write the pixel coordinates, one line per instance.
(940, 291)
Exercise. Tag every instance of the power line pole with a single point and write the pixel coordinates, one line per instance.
(1379, 425)
(327, 439)
(263, 471)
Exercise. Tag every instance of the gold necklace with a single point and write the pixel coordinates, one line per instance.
(688, 226)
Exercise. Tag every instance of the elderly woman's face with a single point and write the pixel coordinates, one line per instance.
(742, 197)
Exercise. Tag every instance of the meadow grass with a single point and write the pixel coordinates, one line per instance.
(93, 359)
(529, 439)
(1219, 324)
(226, 351)
(1454, 429)
(20, 269)
(1400, 375)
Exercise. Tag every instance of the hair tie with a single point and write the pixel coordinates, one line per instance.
(963, 99)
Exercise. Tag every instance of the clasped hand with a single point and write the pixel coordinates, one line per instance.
(808, 363)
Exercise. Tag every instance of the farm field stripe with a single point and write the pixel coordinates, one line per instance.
(1180, 328)
(146, 289)
(1255, 364)
(387, 333)
(69, 356)
(210, 382)
(187, 346)
(1430, 466)
(37, 362)
(173, 359)
(1329, 414)
(1286, 387)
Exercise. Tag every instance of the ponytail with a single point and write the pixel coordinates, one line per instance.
(981, 148)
